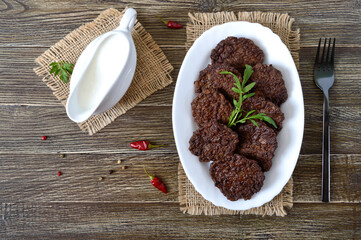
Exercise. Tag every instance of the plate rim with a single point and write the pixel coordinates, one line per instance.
(175, 97)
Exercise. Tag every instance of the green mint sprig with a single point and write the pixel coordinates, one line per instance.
(243, 90)
(259, 116)
(63, 69)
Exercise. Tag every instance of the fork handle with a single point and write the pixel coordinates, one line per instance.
(326, 150)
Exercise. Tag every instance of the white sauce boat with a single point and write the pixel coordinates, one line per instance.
(103, 72)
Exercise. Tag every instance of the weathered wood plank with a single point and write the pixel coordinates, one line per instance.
(23, 19)
(345, 178)
(165, 221)
(20, 80)
(32, 178)
(22, 127)
(36, 204)
(344, 125)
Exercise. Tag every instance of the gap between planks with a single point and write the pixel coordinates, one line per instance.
(11, 45)
(172, 202)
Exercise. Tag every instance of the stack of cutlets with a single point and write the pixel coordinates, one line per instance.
(239, 155)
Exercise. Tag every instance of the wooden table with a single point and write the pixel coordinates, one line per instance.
(36, 204)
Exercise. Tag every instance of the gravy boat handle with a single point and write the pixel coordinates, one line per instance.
(128, 20)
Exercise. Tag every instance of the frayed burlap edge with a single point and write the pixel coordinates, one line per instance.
(141, 87)
(191, 201)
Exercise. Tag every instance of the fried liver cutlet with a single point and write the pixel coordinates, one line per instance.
(237, 177)
(210, 78)
(269, 83)
(237, 52)
(213, 142)
(211, 105)
(261, 105)
(258, 143)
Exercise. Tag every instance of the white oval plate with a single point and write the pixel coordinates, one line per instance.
(290, 137)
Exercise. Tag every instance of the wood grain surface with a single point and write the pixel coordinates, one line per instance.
(37, 204)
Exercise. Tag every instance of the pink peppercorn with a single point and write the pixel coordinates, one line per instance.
(59, 174)
(44, 137)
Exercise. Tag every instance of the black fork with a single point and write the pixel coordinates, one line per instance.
(324, 76)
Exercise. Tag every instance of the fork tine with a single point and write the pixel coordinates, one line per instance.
(323, 54)
(328, 53)
(318, 53)
(333, 53)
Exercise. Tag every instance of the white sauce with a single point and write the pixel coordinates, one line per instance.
(102, 72)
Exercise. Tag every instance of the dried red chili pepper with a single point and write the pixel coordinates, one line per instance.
(156, 182)
(144, 145)
(171, 24)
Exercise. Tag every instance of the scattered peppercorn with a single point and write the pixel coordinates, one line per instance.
(144, 145)
(44, 137)
(171, 24)
(62, 155)
(110, 171)
(101, 178)
(119, 161)
(156, 182)
(124, 167)
(58, 173)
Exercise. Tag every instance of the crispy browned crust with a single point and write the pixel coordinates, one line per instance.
(211, 105)
(212, 142)
(237, 52)
(237, 177)
(269, 83)
(210, 78)
(258, 143)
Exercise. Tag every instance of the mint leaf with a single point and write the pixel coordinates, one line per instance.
(249, 113)
(249, 87)
(247, 74)
(254, 122)
(236, 90)
(248, 96)
(241, 89)
(269, 120)
(236, 113)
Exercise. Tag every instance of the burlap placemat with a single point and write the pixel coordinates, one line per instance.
(152, 72)
(191, 201)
